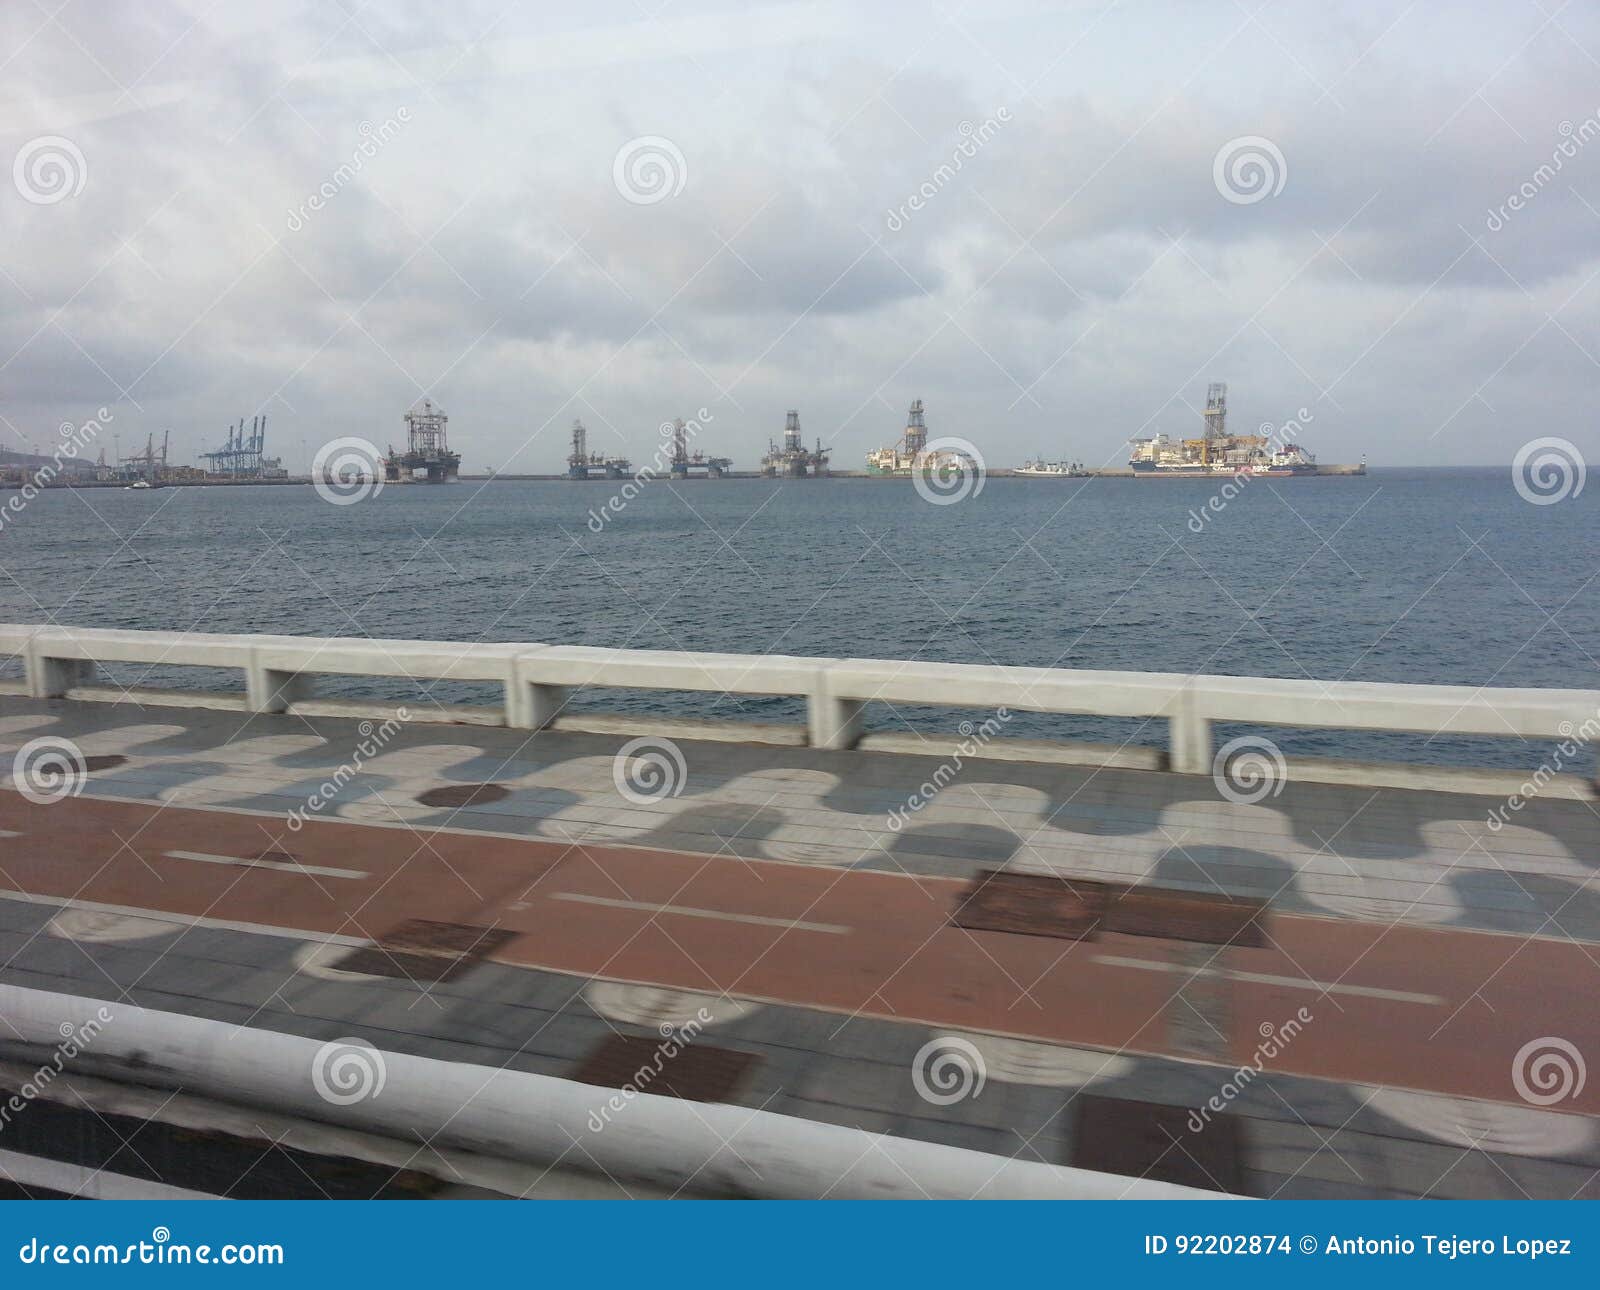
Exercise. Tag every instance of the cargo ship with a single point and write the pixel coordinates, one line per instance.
(912, 454)
(1216, 452)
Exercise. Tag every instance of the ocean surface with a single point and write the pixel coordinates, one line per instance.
(1401, 575)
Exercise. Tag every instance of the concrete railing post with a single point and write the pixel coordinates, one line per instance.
(542, 704)
(1190, 746)
(50, 678)
(269, 690)
(832, 721)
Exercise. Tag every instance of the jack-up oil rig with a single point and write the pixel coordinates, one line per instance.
(792, 460)
(583, 464)
(427, 457)
(695, 465)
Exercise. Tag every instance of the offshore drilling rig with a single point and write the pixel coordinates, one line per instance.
(792, 460)
(583, 464)
(695, 465)
(427, 457)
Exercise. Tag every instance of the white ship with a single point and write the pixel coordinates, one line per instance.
(1052, 469)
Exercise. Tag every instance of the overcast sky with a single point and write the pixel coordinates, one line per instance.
(507, 246)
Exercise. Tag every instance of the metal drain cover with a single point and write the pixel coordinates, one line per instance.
(425, 951)
(1205, 917)
(453, 795)
(1078, 909)
(697, 1072)
(425, 936)
(1032, 904)
(1151, 1140)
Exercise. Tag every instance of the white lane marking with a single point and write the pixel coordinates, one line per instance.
(186, 920)
(319, 871)
(7, 833)
(1268, 978)
(689, 911)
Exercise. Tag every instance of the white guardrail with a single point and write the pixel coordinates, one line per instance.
(280, 670)
(538, 1119)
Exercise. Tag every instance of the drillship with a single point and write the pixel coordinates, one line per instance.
(911, 454)
(1217, 452)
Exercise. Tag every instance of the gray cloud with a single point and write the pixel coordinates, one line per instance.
(1077, 279)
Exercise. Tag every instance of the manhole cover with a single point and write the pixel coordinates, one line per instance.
(697, 1072)
(425, 951)
(105, 761)
(463, 795)
(1211, 919)
(421, 969)
(424, 936)
(1032, 904)
(1149, 1140)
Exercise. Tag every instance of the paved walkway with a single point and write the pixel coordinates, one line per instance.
(1404, 955)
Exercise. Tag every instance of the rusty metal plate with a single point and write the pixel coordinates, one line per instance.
(1031, 904)
(697, 1072)
(455, 795)
(104, 761)
(424, 936)
(1149, 1140)
(1205, 917)
(425, 951)
(422, 969)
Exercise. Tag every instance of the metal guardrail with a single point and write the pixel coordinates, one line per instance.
(281, 670)
(516, 1115)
